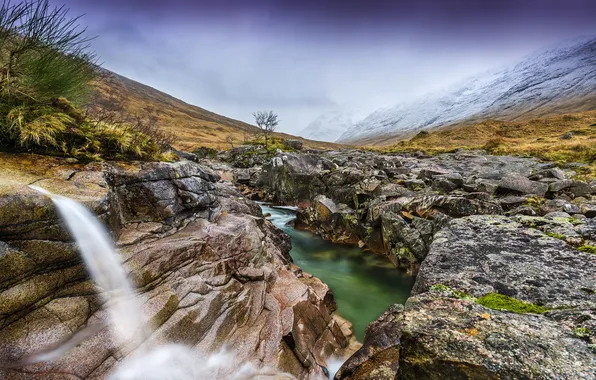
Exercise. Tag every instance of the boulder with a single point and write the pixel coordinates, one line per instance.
(493, 300)
(293, 144)
(521, 185)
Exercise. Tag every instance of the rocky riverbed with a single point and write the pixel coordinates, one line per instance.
(504, 249)
(212, 273)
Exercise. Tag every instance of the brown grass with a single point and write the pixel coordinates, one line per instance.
(537, 137)
(192, 125)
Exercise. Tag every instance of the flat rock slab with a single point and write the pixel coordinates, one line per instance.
(493, 254)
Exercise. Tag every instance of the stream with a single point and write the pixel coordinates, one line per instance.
(364, 284)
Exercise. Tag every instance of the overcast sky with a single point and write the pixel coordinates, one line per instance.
(301, 58)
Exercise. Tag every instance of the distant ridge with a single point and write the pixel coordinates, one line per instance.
(193, 126)
(558, 79)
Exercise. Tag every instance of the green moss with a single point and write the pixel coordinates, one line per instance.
(502, 302)
(582, 332)
(556, 235)
(574, 221)
(534, 202)
(588, 248)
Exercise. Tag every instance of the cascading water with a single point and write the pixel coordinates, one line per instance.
(126, 319)
(103, 263)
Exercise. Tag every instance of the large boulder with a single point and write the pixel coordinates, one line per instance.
(518, 184)
(292, 177)
(494, 299)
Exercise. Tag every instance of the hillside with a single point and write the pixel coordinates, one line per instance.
(562, 139)
(193, 126)
(554, 80)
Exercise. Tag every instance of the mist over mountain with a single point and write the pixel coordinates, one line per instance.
(331, 125)
(556, 79)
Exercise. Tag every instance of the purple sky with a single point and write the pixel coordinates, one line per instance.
(302, 58)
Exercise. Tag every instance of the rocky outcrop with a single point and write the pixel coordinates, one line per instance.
(493, 299)
(394, 204)
(503, 246)
(211, 272)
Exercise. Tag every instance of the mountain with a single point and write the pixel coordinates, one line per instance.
(330, 126)
(193, 126)
(554, 80)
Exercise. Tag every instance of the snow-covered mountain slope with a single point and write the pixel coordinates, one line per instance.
(329, 126)
(557, 79)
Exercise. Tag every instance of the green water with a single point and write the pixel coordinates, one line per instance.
(364, 284)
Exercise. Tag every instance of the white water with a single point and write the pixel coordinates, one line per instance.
(103, 263)
(127, 322)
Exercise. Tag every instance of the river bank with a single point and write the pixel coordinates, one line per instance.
(364, 284)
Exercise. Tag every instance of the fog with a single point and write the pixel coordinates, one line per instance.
(301, 60)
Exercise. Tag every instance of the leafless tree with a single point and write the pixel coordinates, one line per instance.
(267, 122)
(230, 140)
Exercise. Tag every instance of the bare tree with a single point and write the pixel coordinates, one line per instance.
(267, 122)
(230, 140)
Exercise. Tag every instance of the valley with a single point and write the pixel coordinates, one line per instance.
(447, 236)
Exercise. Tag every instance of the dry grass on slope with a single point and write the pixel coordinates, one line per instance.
(192, 125)
(537, 137)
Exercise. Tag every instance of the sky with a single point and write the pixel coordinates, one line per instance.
(304, 58)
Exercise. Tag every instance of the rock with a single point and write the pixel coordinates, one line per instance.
(485, 186)
(567, 136)
(455, 178)
(522, 210)
(403, 242)
(447, 330)
(512, 201)
(580, 189)
(438, 337)
(524, 263)
(337, 223)
(293, 144)
(549, 173)
(376, 359)
(521, 185)
(429, 173)
(292, 177)
(242, 176)
(588, 210)
(414, 184)
(571, 208)
(444, 185)
(208, 267)
(559, 185)
(453, 206)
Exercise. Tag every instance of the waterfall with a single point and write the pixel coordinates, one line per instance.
(103, 263)
(127, 322)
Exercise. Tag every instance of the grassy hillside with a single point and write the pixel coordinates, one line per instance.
(192, 125)
(543, 138)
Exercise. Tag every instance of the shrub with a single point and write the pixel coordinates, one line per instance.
(493, 144)
(45, 59)
(62, 129)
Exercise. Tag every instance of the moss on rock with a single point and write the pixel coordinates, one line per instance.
(588, 248)
(501, 302)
